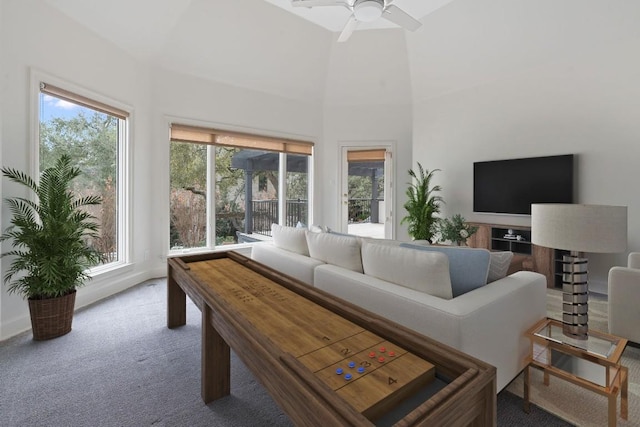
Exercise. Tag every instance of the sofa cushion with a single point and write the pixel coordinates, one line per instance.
(292, 239)
(468, 267)
(343, 251)
(387, 242)
(295, 265)
(422, 271)
(499, 265)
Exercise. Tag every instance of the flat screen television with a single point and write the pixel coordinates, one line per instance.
(510, 186)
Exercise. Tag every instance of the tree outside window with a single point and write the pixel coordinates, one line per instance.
(92, 139)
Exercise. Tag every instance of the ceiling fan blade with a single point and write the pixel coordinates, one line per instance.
(352, 23)
(400, 17)
(313, 3)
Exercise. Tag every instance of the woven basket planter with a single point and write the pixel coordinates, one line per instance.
(51, 318)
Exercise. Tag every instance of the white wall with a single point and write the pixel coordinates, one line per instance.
(585, 102)
(367, 101)
(33, 35)
(365, 126)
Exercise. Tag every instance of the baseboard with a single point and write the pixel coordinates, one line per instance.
(159, 272)
(93, 292)
(15, 326)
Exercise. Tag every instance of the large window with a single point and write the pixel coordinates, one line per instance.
(94, 134)
(229, 187)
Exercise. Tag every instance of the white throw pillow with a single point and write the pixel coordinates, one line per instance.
(291, 239)
(343, 251)
(317, 228)
(499, 265)
(422, 271)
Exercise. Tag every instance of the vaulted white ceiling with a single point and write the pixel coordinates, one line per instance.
(265, 46)
(333, 18)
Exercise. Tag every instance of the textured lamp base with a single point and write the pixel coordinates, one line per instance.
(575, 297)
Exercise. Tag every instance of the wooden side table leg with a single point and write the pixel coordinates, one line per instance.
(624, 392)
(527, 379)
(176, 303)
(216, 361)
(613, 412)
(546, 377)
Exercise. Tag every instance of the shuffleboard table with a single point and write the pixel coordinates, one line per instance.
(323, 360)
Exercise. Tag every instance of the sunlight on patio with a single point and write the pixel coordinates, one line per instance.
(367, 229)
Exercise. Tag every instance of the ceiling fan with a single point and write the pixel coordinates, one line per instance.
(365, 11)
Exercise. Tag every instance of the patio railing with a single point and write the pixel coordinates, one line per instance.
(265, 213)
(363, 210)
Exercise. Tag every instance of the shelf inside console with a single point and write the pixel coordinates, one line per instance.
(516, 240)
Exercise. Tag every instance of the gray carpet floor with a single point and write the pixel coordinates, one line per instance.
(121, 366)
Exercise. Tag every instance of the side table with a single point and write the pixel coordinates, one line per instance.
(592, 363)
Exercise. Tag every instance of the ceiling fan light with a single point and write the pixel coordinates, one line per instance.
(368, 10)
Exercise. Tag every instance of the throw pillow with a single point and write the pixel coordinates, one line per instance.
(343, 251)
(422, 271)
(291, 239)
(337, 233)
(468, 267)
(499, 265)
(317, 228)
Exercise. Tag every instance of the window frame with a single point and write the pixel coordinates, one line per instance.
(292, 144)
(124, 205)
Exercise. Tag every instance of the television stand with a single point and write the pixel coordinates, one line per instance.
(527, 256)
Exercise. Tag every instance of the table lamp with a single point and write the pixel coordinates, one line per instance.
(578, 229)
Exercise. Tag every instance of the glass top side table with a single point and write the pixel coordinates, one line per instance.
(592, 363)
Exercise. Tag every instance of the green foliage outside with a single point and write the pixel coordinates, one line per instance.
(297, 183)
(423, 205)
(360, 192)
(360, 187)
(91, 141)
(50, 236)
(188, 165)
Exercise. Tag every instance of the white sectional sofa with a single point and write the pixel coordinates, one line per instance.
(413, 286)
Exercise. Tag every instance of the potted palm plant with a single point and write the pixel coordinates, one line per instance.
(422, 205)
(50, 237)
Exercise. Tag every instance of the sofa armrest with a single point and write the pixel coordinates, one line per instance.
(624, 292)
(504, 310)
(488, 323)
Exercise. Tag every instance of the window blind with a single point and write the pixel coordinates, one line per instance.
(82, 100)
(200, 135)
(366, 156)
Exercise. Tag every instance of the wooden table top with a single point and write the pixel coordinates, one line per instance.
(369, 372)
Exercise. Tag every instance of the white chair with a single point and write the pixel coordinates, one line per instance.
(624, 299)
